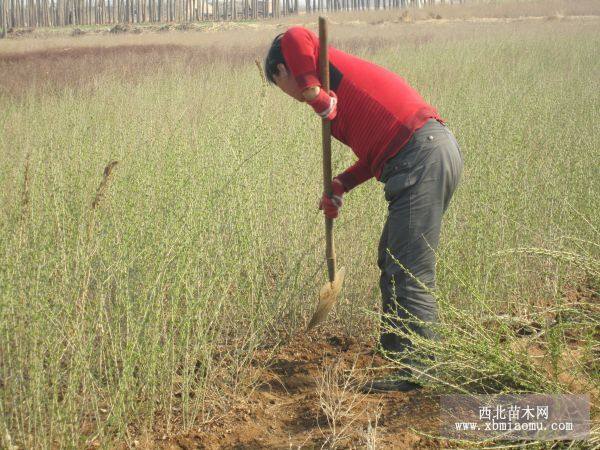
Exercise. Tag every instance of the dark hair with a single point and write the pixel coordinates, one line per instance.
(274, 57)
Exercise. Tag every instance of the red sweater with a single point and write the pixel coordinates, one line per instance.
(377, 111)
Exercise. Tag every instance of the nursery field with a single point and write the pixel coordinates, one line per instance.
(161, 250)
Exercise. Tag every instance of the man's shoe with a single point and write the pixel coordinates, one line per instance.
(384, 385)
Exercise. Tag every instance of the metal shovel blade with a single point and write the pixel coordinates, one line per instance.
(327, 298)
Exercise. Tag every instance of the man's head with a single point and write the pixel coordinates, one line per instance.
(278, 73)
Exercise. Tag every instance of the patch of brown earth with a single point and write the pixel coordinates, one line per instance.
(310, 382)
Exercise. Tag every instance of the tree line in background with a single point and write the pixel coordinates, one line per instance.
(56, 13)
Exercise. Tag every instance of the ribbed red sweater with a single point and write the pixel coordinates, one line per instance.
(378, 111)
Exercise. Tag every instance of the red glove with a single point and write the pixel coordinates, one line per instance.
(325, 105)
(331, 205)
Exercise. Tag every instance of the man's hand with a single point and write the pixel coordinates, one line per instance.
(331, 205)
(310, 93)
(324, 104)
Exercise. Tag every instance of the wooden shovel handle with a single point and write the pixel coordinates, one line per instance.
(324, 73)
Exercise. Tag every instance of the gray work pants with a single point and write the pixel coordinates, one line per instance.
(419, 183)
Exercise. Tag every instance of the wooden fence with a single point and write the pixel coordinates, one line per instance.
(55, 13)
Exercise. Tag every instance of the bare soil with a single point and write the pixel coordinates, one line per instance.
(286, 409)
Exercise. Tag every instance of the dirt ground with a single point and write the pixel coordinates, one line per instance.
(308, 399)
(307, 396)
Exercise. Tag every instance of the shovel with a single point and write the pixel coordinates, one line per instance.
(331, 289)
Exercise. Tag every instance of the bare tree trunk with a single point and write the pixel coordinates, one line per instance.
(52, 13)
(3, 18)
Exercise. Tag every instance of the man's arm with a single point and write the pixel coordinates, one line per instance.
(354, 175)
(300, 47)
(350, 178)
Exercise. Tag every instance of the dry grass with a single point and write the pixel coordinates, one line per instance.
(52, 61)
(52, 65)
(208, 245)
(53, 70)
(231, 35)
(101, 191)
(25, 188)
(344, 406)
(100, 194)
(507, 9)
